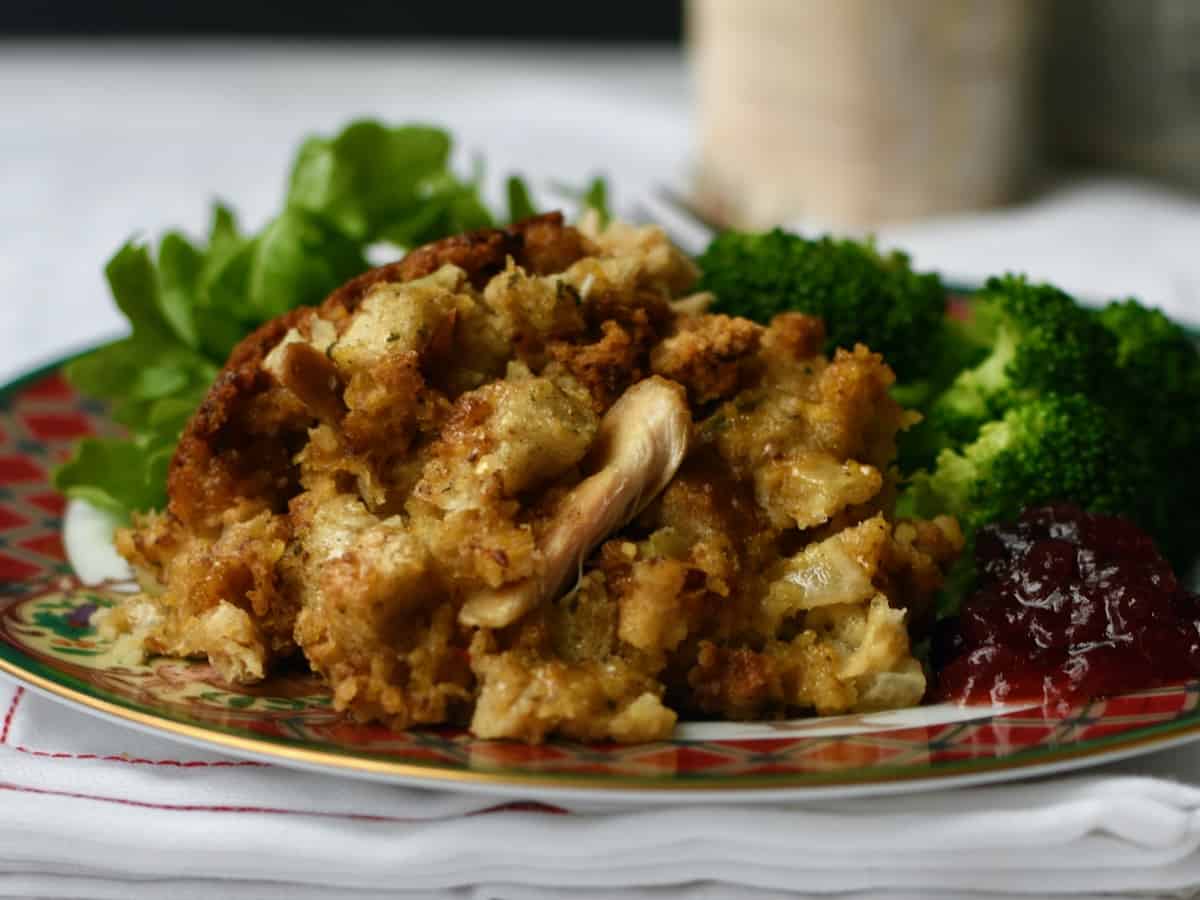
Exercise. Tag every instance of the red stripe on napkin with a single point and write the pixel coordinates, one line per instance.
(266, 810)
(138, 761)
(8, 717)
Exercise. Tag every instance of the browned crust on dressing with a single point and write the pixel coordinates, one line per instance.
(246, 424)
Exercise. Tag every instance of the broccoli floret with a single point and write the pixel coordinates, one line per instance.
(956, 349)
(863, 296)
(1158, 392)
(1055, 447)
(1070, 404)
(1041, 341)
(952, 350)
(1158, 362)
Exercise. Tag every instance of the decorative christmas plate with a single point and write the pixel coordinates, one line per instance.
(48, 642)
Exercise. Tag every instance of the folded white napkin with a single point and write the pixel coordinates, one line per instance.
(97, 810)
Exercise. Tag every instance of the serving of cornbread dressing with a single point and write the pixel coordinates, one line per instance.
(522, 481)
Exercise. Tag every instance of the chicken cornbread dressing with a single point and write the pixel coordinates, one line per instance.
(521, 480)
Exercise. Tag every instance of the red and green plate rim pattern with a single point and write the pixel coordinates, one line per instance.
(47, 643)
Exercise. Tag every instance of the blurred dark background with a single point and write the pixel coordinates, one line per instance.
(615, 20)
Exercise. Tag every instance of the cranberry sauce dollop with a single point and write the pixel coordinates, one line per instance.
(1070, 605)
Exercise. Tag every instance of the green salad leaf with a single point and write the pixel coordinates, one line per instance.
(117, 475)
(189, 303)
(369, 176)
(296, 260)
(593, 196)
(180, 266)
(520, 206)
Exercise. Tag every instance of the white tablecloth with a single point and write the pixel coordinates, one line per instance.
(98, 142)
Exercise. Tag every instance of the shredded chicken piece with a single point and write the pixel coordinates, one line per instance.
(641, 442)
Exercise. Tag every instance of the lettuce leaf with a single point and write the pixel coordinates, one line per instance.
(520, 206)
(116, 475)
(593, 196)
(368, 177)
(189, 303)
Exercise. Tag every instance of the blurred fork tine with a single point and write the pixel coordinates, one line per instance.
(686, 208)
(681, 228)
(641, 214)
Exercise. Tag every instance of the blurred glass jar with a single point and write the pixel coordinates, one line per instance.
(1124, 85)
(860, 112)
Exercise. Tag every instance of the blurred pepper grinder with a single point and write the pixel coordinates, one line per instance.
(860, 112)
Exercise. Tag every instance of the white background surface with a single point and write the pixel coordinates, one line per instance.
(101, 141)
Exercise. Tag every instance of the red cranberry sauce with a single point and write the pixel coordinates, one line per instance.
(1070, 605)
